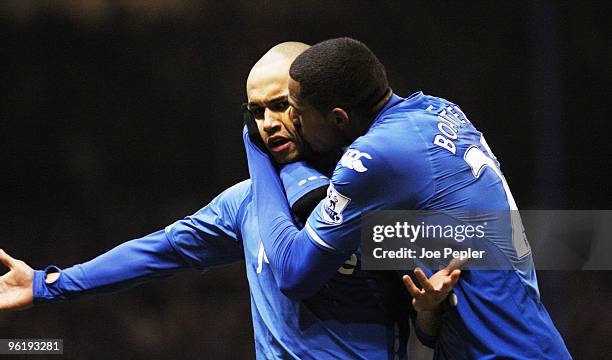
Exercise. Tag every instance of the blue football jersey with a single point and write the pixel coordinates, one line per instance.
(356, 315)
(422, 153)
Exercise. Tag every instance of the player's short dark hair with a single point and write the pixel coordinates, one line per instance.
(341, 72)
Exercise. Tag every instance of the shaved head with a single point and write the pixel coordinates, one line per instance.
(290, 50)
(277, 58)
(268, 101)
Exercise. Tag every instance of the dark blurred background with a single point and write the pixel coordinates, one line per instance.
(119, 117)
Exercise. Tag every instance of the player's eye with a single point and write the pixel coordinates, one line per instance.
(279, 106)
(257, 112)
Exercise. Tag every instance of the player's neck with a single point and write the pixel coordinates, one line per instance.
(367, 120)
(381, 104)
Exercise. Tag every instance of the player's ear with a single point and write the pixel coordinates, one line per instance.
(340, 117)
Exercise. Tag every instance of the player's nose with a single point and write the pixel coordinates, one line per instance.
(272, 121)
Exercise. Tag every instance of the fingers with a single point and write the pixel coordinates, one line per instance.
(440, 283)
(427, 286)
(412, 288)
(455, 276)
(6, 260)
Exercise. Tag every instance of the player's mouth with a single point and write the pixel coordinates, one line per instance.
(278, 143)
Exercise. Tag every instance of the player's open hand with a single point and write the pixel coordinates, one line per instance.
(435, 289)
(15, 285)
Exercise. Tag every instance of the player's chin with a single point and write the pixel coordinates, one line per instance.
(286, 157)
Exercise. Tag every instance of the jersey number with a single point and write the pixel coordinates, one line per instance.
(478, 161)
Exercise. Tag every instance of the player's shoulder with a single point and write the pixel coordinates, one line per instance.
(414, 107)
(237, 193)
(230, 200)
(407, 127)
(241, 189)
(394, 137)
(221, 213)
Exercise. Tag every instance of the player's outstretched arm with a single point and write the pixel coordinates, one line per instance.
(201, 241)
(125, 266)
(16, 284)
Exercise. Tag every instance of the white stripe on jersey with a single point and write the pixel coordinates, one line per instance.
(316, 237)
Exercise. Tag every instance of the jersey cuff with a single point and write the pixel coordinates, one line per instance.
(40, 293)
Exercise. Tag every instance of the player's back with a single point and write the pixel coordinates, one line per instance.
(433, 158)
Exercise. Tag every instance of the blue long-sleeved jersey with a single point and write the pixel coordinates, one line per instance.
(355, 315)
(420, 153)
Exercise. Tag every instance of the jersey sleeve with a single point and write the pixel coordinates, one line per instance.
(122, 267)
(208, 238)
(211, 236)
(300, 266)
